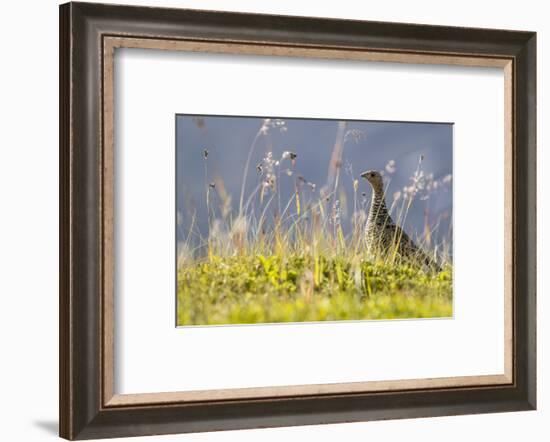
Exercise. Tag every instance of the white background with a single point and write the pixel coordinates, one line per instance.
(472, 343)
(29, 239)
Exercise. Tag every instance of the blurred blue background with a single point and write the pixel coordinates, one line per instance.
(368, 145)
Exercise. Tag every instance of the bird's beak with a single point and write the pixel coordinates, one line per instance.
(364, 175)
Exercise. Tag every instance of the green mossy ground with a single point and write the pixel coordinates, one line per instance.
(258, 289)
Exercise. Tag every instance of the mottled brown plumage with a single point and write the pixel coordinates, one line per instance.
(383, 237)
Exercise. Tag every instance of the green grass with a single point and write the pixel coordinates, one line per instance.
(294, 288)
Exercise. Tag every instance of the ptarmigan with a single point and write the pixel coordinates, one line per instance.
(385, 238)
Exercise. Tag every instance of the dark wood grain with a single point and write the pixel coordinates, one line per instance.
(65, 397)
(524, 212)
(82, 28)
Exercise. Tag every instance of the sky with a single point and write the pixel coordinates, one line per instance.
(368, 145)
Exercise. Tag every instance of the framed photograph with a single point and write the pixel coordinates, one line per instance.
(271, 221)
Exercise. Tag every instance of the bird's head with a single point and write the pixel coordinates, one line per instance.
(374, 178)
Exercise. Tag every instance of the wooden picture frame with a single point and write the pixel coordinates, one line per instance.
(89, 33)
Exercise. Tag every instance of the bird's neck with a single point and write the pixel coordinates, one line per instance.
(378, 204)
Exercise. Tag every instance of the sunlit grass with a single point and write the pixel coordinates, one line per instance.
(253, 289)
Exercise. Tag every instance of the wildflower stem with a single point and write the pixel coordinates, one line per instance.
(246, 167)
